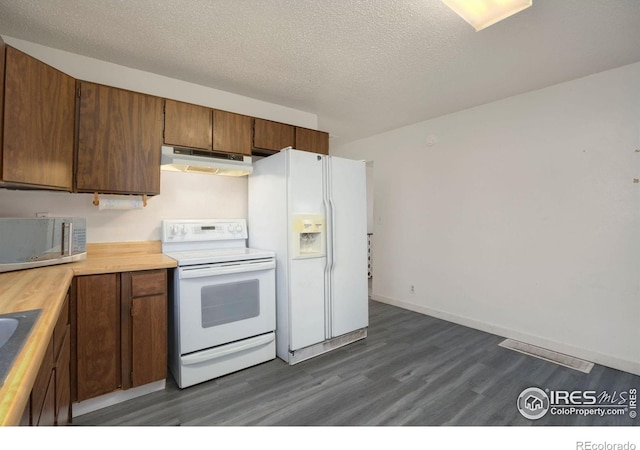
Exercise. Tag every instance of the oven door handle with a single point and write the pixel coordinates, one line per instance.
(219, 352)
(208, 271)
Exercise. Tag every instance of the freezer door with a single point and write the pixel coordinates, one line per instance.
(305, 188)
(307, 302)
(349, 292)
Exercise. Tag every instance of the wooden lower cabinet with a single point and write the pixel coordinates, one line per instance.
(120, 337)
(63, 382)
(50, 401)
(144, 294)
(97, 309)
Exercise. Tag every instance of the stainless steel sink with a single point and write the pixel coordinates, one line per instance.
(14, 331)
(8, 326)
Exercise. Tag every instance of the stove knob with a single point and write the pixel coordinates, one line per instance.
(230, 228)
(183, 231)
(238, 228)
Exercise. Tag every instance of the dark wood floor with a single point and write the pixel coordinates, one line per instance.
(411, 370)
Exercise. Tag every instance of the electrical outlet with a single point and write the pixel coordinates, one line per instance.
(413, 289)
(42, 214)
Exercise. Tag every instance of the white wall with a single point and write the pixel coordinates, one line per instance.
(519, 217)
(187, 196)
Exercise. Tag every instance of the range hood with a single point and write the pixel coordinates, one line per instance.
(179, 159)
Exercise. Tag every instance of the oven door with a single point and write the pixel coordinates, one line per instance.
(224, 302)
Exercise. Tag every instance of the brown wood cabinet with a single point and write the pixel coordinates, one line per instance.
(272, 136)
(97, 309)
(119, 140)
(144, 301)
(49, 402)
(312, 140)
(37, 123)
(187, 125)
(202, 128)
(121, 331)
(42, 397)
(232, 133)
(117, 134)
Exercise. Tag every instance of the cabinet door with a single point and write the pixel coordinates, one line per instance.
(187, 125)
(312, 140)
(144, 327)
(97, 335)
(119, 140)
(231, 132)
(148, 339)
(269, 135)
(38, 123)
(63, 386)
(40, 401)
(48, 413)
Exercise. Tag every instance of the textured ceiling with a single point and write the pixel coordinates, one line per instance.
(363, 66)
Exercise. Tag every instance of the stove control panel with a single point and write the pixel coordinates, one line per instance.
(203, 230)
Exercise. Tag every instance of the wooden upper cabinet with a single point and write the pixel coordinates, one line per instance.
(187, 125)
(232, 133)
(312, 140)
(268, 135)
(38, 123)
(119, 140)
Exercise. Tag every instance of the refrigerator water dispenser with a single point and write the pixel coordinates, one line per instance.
(308, 236)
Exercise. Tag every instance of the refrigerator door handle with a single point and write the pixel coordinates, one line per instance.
(328, 273)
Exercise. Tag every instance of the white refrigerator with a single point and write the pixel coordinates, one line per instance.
(311, 210)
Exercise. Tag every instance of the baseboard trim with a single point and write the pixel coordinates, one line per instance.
(113, 398)
(582, 353)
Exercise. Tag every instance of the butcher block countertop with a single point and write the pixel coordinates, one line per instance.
(46, 288)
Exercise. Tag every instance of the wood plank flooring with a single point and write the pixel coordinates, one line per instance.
(412, 369)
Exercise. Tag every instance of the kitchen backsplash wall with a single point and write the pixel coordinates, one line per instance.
(182, 196)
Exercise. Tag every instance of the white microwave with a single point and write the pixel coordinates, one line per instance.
(36, 242)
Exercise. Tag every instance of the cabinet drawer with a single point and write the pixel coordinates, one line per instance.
(148, 283)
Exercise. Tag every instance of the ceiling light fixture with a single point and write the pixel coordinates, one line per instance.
(482, 13)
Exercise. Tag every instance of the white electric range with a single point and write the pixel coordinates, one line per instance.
(222, 307)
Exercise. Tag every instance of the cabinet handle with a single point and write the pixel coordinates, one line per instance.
(67, 233)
